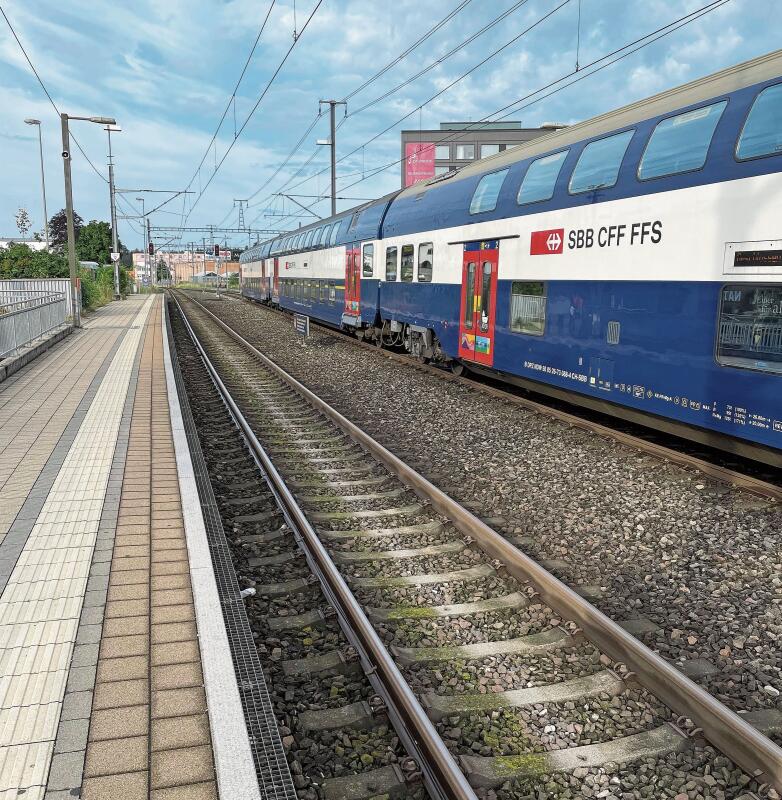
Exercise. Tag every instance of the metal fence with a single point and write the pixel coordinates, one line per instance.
(753, 337)
(27, 315)
(48, 285)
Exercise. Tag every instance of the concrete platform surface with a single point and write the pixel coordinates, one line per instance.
(101, 683)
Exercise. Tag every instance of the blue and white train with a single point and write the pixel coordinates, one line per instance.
(631, 263)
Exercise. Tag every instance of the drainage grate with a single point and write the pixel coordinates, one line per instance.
(271, 764)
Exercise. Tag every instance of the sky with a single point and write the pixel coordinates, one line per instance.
(167, 70)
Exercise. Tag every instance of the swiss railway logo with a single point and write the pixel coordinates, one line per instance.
(546, 243)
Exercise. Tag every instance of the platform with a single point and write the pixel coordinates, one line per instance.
(102, 657)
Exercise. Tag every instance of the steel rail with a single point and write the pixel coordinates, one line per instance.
(440, 772)
(726, 475)
(726, 730)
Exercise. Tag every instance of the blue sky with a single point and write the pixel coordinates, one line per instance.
(166, 69)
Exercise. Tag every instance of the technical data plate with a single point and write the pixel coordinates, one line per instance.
(271, 764)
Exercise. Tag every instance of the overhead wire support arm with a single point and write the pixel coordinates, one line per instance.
(301, 205)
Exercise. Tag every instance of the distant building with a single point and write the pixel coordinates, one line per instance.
(426, 154)
(33, 244)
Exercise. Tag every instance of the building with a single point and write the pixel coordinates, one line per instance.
(33, 244)
(184, 265)
(426, 154)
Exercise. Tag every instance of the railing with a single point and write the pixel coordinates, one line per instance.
(45, 285)
(27, 315)
(753, 337)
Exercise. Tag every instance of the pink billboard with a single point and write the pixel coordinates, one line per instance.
(419, 161)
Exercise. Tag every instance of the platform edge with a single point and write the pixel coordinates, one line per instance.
(234, 764)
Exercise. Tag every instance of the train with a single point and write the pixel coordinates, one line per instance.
(631, 263)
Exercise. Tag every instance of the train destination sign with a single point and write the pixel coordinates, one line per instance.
(757, 258)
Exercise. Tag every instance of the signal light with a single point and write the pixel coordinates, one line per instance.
(217, 251)
(151, 248)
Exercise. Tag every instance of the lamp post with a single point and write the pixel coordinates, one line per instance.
(146, 245)
(43, 180)
(112, 202)
(66, 160)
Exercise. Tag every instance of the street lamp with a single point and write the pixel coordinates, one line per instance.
(113, 207)
(146, 244)
(66, 160)
(43, 179)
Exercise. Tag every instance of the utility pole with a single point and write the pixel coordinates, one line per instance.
(112, 201)
(152, 262)
(333, 144)
(66, 161)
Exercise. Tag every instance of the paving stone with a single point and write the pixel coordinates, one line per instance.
(175, 653)
(121, 669)
(173, 632)
(177, 613)
(178, 702)
(174, 767)
(190, 791)
(128, 786)
(116, 755)
(177, 732)
(121, 693)
(175, 676)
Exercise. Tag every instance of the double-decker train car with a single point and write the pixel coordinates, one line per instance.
(631, 263)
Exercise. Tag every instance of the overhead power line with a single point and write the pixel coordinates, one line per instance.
(579, 75)
(582, 73)
(407, 52)
(363, 86)
(446, 88)
(46, 92)
(232, 97)
(254, 108)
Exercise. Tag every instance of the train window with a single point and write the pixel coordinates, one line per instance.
(391, 257)
(332, 292)
(487, 191)
(528, 307)
(540, 178)
(334, 232)
(425, 259)
(367, 268)
(406, 267)
(469, 294)
(599, 162)
(749, 333)
(762, 134)
(681, 143)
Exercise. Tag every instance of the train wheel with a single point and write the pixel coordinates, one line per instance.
(457, 368)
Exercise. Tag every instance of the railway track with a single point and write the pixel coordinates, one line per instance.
(525, 683)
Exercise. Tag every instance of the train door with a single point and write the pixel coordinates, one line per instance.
(276, 281)
(478, 306)
(352, 283)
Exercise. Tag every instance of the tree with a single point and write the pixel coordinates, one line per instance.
(58, 229)
(163, 273)
(23, 222)
(19, 261)
(94, 242)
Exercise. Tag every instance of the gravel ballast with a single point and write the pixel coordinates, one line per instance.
(700, 559)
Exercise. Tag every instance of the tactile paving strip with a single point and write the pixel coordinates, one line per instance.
(271, 764)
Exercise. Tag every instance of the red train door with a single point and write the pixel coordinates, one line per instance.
(276, 281)
(478, 306)
(352, 280)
